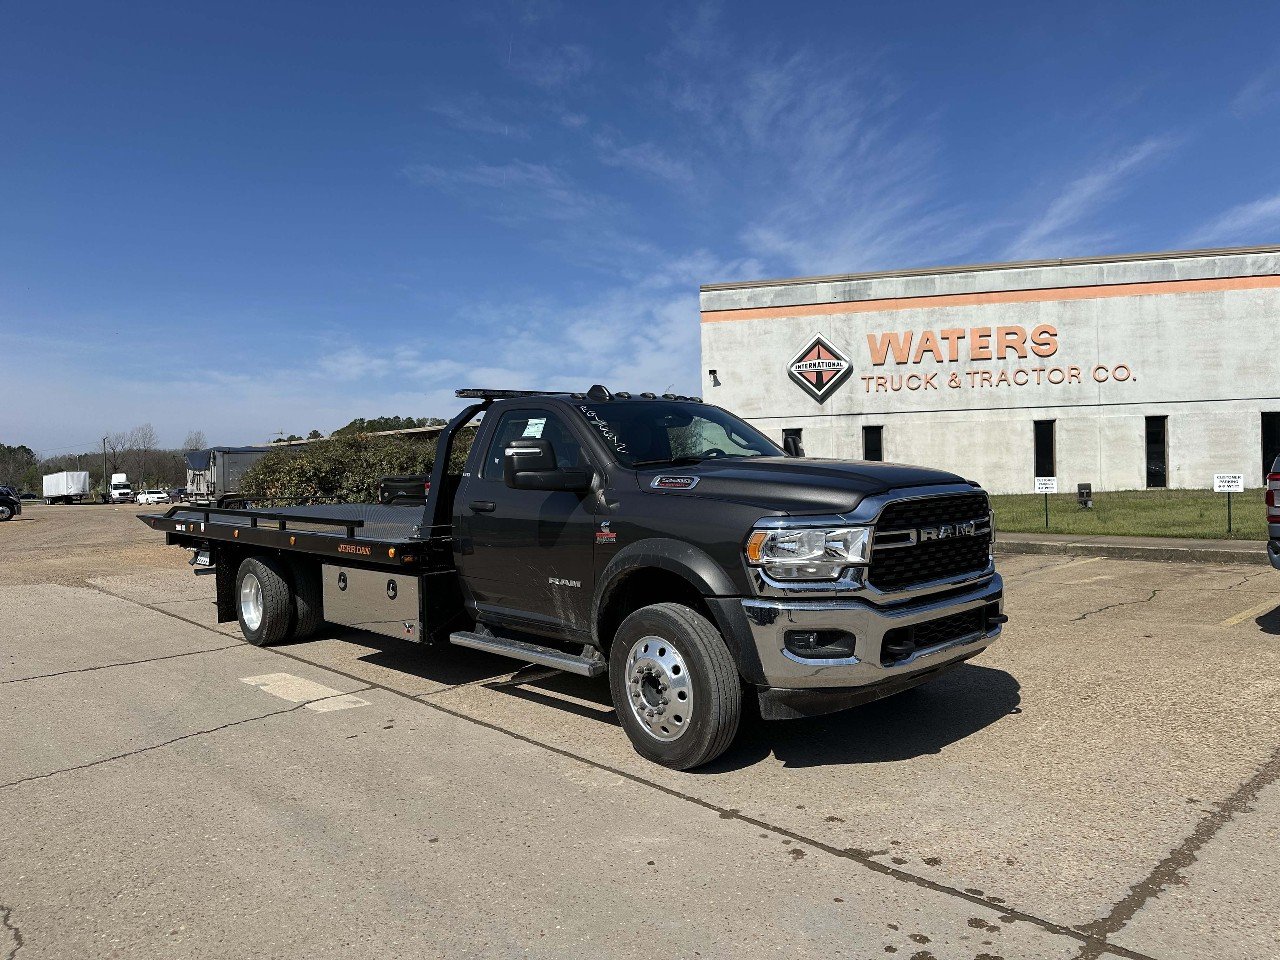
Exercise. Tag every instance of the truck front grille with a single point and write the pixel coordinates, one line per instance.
(902, 566)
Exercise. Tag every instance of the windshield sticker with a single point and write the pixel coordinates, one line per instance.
(534, 428)
(674, 483)
(606, 431)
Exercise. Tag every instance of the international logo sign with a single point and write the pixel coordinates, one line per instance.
(820, 369)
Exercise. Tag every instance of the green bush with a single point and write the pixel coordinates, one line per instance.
(344, 468)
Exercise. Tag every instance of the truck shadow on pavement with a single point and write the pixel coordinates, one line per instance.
(447, 665)
(924, 720)
(920, 721)
(1270, 622)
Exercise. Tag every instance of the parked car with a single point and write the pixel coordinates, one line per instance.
(10, 505)
(178, 495)
(153, 496)
(29, 496)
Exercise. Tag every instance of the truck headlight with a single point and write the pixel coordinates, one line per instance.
(808, 553)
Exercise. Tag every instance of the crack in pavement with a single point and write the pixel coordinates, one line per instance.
(6, 920)
(1087, 939)
(185, 736)
(1169, 871)
(1115, 606)
(1034, 571)
(123, 663)
(1253, 576)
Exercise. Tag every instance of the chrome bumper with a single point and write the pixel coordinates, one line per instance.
(770, 619)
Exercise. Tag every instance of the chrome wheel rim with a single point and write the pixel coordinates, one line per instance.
(659, 689)
(251, 602)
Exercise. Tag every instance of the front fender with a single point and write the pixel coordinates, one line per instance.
(674, 556)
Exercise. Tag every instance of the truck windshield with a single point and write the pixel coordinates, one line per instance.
(654, 432)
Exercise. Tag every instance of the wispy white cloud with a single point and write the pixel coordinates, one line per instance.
(1260, 93)
(646, 158)
(1063, 224)
(551, 67)
(471, 114)
(823, 176)
(515, 191)
(1245, 224)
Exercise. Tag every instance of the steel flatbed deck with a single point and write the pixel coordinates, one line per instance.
(367, 534)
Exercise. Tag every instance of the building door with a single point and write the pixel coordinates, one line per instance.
(1045, 455)
(873, 443)
(1157, 434)
(1270, 441)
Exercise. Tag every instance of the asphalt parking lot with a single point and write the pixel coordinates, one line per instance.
(1102, 782)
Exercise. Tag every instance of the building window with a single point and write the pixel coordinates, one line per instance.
(873, 443)
(1157, 451)
(1270, 440)
(1046, 463)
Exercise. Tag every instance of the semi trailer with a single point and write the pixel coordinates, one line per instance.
(659, 541)
(69, 486)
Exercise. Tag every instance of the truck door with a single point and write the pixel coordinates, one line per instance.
(527, 555)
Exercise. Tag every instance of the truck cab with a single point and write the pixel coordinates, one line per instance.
(829, 582)
(120, 490)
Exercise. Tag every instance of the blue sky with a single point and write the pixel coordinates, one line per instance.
(251, 217)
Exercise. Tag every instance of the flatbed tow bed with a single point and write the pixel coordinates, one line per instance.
(383, 535)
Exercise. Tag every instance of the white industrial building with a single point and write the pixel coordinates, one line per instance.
(1124, 372)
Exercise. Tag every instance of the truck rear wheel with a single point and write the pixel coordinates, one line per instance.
(675, 686)
(264, 602)
(5, 511)
(308, 603)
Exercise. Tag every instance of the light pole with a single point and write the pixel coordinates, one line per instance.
(104, 470)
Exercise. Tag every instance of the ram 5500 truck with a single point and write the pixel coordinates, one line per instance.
(660, 540)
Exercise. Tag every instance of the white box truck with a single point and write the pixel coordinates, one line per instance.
(69, 486)
(120, 491)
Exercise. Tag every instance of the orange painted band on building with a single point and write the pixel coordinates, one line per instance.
(998, 296)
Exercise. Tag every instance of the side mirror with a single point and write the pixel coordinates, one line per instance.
(792, 446)
(530, 464)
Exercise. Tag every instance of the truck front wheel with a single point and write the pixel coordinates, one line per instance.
(264, 602)
(675, 686)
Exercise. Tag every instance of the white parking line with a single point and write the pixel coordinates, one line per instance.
(299, 690)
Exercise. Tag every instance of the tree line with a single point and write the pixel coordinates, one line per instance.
(135, 452)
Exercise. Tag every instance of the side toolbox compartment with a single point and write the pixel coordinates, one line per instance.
(378, 601)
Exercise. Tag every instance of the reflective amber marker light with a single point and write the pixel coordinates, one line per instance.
(292, 541)
(754, 545)
(391, 551)
(236, 534)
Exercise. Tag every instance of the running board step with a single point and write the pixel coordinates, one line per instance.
(529, 652)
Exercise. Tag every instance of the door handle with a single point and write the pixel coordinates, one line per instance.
(482, 506)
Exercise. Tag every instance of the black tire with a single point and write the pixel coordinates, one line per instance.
(713, 684)
(276, 622)
(308, 600)
(6, 512)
